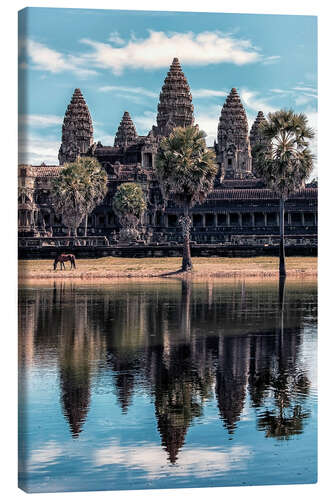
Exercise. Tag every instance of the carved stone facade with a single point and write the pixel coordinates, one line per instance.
(175, 108)
(126, 133)
(239, 210)
(77, 130)
(233, 149)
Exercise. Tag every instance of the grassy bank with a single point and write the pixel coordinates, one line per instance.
(114, 267)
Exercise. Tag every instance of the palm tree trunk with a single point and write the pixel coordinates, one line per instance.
(86, 225)
(282, 267)
(282, 282)
(187, 262)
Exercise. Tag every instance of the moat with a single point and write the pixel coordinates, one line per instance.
(164, 384)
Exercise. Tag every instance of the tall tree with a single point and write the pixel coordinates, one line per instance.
(79, 188)
(186, 171)
(129, 205)
(287, 162)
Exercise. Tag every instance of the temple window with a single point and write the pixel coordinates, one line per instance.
(271, 219)
(309, 218)
(197, 220)
(158, 218)
(246, 219)
(259, 219)
(296, 218)
(172, 220)
(209, 219)
(221, 219)
(234, 219)
(111, 220)
(148, 160)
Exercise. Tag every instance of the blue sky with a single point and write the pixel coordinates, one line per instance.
(119, 59)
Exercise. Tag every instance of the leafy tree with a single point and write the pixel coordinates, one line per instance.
(129, 205)
(186, 171)
(79, 188)
(287, 162)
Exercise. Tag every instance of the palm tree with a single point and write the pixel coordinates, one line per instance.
(79, 188)
(129, 205)
(287, 162)
(186, 172)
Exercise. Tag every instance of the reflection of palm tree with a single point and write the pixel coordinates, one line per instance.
(283, 425)
(186, 308)
(289, 385)
(176, 399)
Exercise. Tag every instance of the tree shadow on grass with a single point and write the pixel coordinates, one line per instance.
(172, 273)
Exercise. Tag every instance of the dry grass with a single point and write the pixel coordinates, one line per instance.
(114, 267)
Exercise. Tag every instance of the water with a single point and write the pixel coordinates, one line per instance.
(166, 384)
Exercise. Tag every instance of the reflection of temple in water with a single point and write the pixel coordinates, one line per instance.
(182, 344)
(231, 378)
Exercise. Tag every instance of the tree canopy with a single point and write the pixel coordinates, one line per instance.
(287, 162)
(129, 203)
(185, 167)
(79, 188)
(186, 170)
(283, 159)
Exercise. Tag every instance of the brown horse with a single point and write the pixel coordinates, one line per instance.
(62, 259)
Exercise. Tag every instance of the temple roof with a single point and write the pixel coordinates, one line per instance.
(77, 129)
(258, 194)
(175, 108)
(233, 120)
(126, 131)
(77, 115)
(255, 131)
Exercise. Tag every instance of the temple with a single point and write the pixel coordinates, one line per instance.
(240, 212)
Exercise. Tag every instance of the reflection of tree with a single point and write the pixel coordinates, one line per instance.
(179, 342)
(180, 386)
(176, 400)
(282, 425)
(282, 384)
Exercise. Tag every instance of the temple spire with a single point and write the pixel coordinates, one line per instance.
(233, 147)
(175, 108)
(255, 135)
(77, 129)
(257, 138)
(126, 131)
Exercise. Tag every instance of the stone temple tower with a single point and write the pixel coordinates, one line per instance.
(126, 132)
(255, 136)
(77, 130)
(175, 108)
(256, 139)
(233, 146)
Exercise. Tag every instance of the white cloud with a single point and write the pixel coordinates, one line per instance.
(253, 102)
(128, 90)
(40, 120)
(35, 149)
(199, 93)
(46, 59)
(271, 60)
(144, 122)
(159, 49)
(303, 99)
(152, 458)
(306, 89)
(116, 38)
(208, 118)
